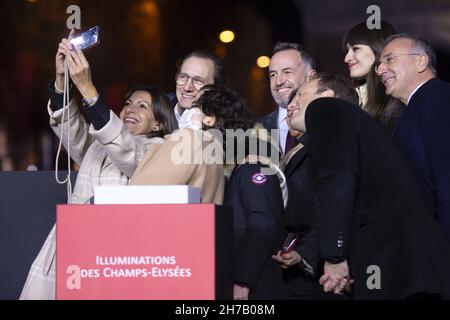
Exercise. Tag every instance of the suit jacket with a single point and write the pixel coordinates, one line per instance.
(423, 135)
(269, 121)
(301, 219)
(369, 205)
(258, 230)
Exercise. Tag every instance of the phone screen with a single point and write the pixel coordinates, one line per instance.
(289, 243)
(87, 39)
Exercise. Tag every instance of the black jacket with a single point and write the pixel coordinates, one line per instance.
(423, 135)
(269, 121)
(257, 205)
(369, 206)
(301, 219)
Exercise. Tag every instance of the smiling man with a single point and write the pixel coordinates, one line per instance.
(290, 67)
(198, 69)
(408, 70)
(368, 205)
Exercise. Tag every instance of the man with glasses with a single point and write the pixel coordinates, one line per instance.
(198, 69)
(407, 68)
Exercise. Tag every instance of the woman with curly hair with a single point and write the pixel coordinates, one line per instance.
(257, 198)
(182, 159)
(256, 191)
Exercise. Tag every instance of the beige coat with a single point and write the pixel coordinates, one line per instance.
(187, 157)
(107, 157)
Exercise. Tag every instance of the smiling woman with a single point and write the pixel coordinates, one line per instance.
(108, 151)
(363, 48)
(146, 112)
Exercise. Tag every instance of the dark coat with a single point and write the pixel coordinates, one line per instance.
(269, 121)
(423, 135)
(258, 230)
(369, 205)
(391, 115)
(300, 219)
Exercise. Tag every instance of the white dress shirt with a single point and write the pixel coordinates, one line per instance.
(283, 127)
(177, 115)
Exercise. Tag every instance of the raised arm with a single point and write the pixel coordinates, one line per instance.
(79, 137)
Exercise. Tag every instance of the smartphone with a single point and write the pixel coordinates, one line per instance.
(87, 39)
(289, 243)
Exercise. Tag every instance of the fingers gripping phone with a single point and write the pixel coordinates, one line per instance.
(87, 39)
(289, 243)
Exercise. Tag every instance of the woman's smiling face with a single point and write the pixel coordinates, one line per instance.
(360, 59)
(137, 113)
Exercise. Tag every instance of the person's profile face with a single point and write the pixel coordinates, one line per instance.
(360, 59)
(304, 96)
(287, 72)
(137, 113)
(194, 74)
(292, 109)
(397, 68)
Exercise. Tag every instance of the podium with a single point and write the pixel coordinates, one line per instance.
(28, 202)
(158, 252)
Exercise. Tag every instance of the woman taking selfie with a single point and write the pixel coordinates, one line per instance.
(108, 151)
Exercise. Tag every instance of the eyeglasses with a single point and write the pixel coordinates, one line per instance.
(390, 58)
(182, 78)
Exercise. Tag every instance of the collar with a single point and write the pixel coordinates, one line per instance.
(362, 95)
(177, 115)
(415, 90)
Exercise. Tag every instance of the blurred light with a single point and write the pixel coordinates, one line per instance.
(263, 61)
(226, 36)
(221, 50)
(32, 1)
(149, 7)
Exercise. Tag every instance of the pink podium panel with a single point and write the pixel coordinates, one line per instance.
(136, 252)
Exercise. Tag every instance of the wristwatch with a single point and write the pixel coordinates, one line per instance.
(90, 101)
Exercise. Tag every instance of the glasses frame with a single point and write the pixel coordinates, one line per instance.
(392, 56)
(197, 82)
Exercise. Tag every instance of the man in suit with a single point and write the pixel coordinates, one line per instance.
(198, 69)
(290, 66)
(408, 70)
(299, 272)
(303, 283)
(374, 228)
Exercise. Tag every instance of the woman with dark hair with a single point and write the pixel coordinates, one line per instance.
(256, 190)
(363, 47)
(108, 151)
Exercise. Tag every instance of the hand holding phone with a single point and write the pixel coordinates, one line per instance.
(289, 243)
(87, 39)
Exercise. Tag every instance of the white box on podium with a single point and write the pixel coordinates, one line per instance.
(177, 194)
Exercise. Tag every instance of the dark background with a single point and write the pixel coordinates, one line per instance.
(24, 225)
(142, 41)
